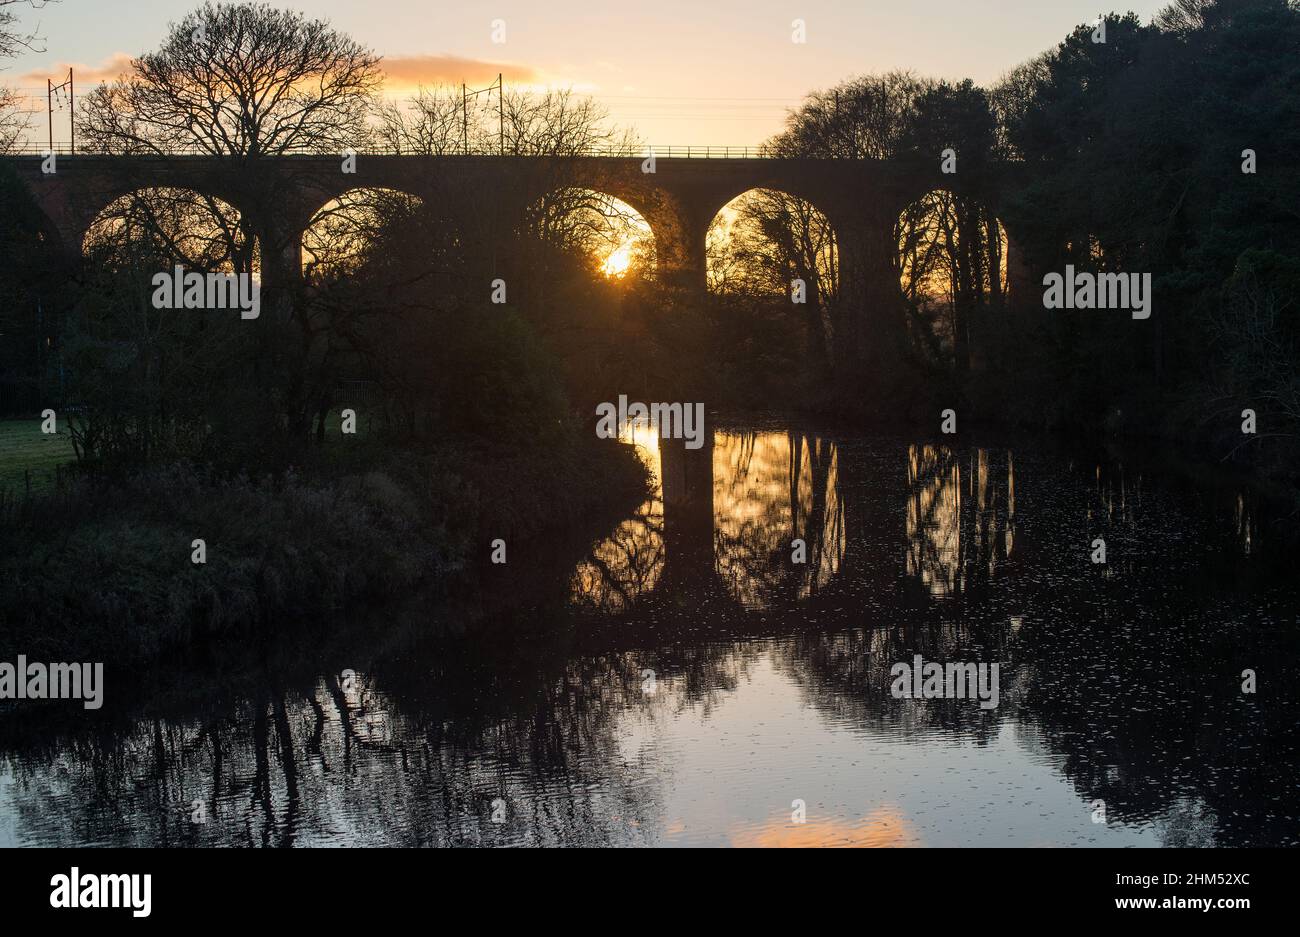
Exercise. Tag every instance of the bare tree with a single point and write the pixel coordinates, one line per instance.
(1183, 17)
(438, 121)
(951, 266)
(764, 241)
(13, 39)
(241, 80)
(559, 123)
(865, 118)
(246, 83)
(1012, 96)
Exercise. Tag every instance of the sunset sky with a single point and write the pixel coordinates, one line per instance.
(715, 73)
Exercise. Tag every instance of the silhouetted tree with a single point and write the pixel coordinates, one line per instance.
(245, 84)
(13, 39)
(1134, 150)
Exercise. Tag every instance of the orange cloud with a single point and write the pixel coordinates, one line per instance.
(411, 71)
(116, 65)
(877, 829)
(402, 72)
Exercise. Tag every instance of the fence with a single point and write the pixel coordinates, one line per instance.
(675, 151)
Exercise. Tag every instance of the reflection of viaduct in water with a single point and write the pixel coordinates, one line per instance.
(863, 200)
(939, 525)
(686, 476)
(1141, 717)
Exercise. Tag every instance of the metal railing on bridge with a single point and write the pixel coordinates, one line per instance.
(687, 151)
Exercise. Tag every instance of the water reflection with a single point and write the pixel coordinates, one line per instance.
(882, 827)
(960, 528)
(629, 562)
(725, 518)
(730, 514)
(686, 682)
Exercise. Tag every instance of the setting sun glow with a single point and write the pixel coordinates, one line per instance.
(618, 262)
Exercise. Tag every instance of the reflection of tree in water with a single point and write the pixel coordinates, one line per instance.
(1163, 738)
(1130, 684)
(1141, 694)
(769, 489)
(960, 517)
(697, 677)
(1137, 664)
(1128, 678)
(766, 489)
(625, 565)
(753, 514)
(403, 753)
(846, 676)
(346, 765)
(629, 562)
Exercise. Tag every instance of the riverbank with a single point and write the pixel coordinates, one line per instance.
(103, 568)
(29, 459)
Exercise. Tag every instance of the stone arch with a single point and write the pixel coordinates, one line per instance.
(822, 251)
(823, 194)
(83, 187)
(330, 236)
(931, 206)
(186, 225)
(772, 253)
(627, 227)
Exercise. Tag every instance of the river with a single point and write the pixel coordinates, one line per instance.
(682, 680)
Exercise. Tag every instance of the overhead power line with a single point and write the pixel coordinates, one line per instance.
(63, 94)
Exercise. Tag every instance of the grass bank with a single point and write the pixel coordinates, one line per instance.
(30, 458)
(103, 568)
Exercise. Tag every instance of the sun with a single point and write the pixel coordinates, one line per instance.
(618, 262)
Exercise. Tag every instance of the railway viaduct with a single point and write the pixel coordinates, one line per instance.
(861, 198)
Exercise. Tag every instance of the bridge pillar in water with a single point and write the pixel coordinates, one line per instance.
(687, 479)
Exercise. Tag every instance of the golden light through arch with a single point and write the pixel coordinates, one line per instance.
(618, 262)
(929, 242)
(342, 230)
(193, 229)
(624, 243)
(761, 235)
(614, 240)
